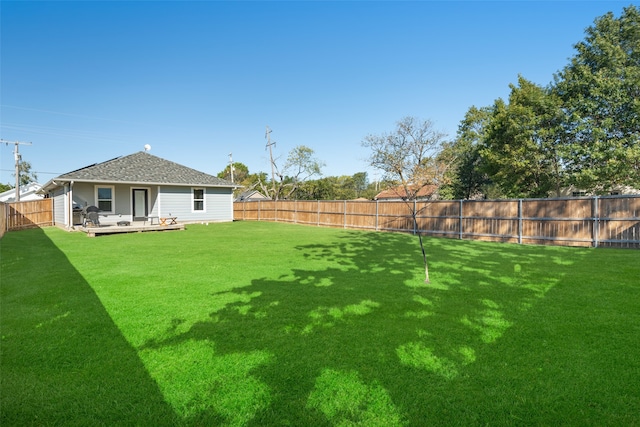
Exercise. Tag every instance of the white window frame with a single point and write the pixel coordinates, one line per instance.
(194, 200)
(113, 197)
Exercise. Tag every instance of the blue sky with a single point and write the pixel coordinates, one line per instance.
(89, 81)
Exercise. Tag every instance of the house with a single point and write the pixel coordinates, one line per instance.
(427, 192)
(27, 192)
(251, 196)
(140, 187)
(572, 191)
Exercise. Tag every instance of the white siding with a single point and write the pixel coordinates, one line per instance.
(59, 207)
(178, 201)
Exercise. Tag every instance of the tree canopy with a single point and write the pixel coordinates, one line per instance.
(583, 130)
(409, 155)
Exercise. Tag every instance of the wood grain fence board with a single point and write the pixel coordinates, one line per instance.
(30, 214)
(4, 211)
(588, 221)
(307, 212)
(360, 214)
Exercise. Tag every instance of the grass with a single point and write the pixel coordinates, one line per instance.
(274, 324)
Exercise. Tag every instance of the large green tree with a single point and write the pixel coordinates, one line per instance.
(522, 146)
(600, 90)
(467, 178)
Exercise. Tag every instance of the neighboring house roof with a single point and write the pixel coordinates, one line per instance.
(140, 168)
(250, 195)
(399, 193)
(27, 192)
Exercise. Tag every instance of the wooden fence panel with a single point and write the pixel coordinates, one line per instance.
(566, 221)
(394, 216)
(490, 221)
(361, 214)
(287, 211)
(307, 212)
(591, 221)
(438, 218)
(30, 214)
(4, 210)
(619, 224)
(331, 213)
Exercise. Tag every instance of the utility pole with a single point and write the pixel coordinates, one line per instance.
(17, 157)
(231, 165)
(273, 172)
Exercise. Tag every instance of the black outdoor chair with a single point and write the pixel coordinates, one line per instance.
(91, 215)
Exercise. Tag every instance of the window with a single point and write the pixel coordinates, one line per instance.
(198, 199)
(104, 198)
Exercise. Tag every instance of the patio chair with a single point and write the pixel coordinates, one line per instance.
(91, 215)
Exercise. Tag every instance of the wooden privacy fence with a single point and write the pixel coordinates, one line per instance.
(29, 214)
(612, 221)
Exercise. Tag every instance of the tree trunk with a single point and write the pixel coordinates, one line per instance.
(424, 258)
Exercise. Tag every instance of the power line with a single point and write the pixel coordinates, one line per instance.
(36, 172)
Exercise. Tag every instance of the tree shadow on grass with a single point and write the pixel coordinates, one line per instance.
(63, 360)
(363, 340)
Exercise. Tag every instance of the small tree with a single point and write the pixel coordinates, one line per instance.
(409, 156)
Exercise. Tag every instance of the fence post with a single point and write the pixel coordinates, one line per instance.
(295, 211)
(460, 220)
(259, 202)
(596, 222)
(344, 225)
(377, 201)
(318, 214)
(520, 221)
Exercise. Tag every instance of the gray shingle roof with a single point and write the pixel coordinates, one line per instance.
(142, 167)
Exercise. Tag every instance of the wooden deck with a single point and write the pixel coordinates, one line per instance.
(133, 228)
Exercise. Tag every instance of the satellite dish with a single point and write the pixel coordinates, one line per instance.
(147, 147)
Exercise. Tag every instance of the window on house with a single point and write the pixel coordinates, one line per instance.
(579, 194)
(104, 198)
(198, 199)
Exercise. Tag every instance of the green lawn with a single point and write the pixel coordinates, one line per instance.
(266, 324)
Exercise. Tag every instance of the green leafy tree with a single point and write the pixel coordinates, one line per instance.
(240, 172)
(522, 147)
(360, 182)
(600, 90)
(332, 188)
(467, 177)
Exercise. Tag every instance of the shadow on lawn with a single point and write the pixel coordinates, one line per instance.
(364, 340)
(64, 361)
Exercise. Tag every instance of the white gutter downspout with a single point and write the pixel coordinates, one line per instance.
(70, 211)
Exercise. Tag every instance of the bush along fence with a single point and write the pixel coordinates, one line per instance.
(611, 221)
